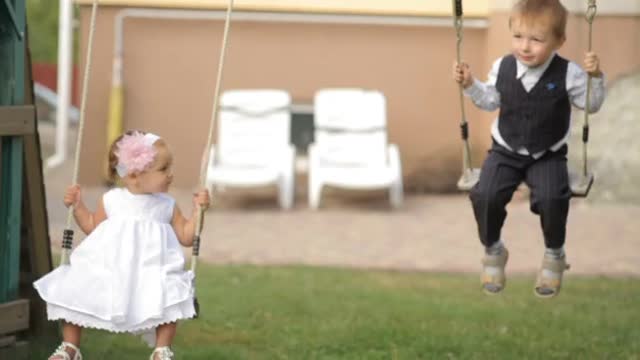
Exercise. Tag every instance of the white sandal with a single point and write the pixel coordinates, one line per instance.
(549, 282)
(62, 353)
(493, 277)
(164, 353)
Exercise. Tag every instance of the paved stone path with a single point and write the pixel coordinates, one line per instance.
(430, 233)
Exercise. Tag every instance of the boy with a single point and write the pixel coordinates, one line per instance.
(534, 88)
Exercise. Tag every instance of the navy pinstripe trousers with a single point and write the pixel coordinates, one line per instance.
(547, 179)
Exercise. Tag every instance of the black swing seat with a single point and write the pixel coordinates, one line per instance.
(580, 184)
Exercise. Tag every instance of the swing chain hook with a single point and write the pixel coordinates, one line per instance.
(591, 11)
(457, 23)
(457, 19)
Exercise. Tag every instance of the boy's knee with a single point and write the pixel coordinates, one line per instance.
(551, 202)
(485, 197)
(557, 196)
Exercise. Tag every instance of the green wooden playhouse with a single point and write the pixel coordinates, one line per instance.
(24, 239)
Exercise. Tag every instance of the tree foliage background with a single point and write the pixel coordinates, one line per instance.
(42, 20)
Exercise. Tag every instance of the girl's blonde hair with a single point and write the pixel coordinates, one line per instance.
(535, 8)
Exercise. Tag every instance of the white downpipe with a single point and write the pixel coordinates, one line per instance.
(65, 53)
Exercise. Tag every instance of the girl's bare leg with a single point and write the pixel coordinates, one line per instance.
(70, 333)
(165, 334)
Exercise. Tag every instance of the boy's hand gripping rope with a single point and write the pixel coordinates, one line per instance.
(589, 15)
(207, 150)
(67, 236)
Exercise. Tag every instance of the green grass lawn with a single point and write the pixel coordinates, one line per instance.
(318, 313)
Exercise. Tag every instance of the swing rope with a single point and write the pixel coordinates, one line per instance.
(464, 126)
(590, 15)
(207, 150)
(67, 236)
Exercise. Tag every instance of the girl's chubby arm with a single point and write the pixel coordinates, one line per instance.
(86, 220)
(185, 228)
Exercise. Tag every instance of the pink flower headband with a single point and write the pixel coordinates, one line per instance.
(135, 152)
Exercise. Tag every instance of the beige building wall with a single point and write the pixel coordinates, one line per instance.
(170, 65)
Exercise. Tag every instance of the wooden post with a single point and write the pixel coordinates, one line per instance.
(24, 240)
(36, 261)
(12, 50)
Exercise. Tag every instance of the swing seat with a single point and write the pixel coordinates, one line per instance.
(580, 184)
(468, 179)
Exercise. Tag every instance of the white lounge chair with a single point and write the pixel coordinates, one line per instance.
(253, 147)
(350, 149)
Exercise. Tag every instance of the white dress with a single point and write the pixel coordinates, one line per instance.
(128, 274)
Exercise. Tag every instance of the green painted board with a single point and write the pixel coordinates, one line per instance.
(12, 73)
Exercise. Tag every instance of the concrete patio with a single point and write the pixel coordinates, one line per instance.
(430, 233)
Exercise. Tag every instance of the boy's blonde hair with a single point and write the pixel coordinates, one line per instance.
(534, 8)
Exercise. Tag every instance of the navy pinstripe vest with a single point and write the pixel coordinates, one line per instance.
(540, 118)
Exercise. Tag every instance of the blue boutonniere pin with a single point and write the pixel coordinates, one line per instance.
(551, 86)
